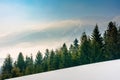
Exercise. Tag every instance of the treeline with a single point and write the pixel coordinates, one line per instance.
(89, 49)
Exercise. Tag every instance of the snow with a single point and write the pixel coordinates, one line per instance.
(109, 70)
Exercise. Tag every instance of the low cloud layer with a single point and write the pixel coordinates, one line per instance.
(43, 35)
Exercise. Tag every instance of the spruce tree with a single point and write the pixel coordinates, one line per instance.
(29, 65)
(7, 67)
(75, 53)
(16, 72)
(45, 60)
(85, 50)
(96, 36)
(111, 40)
(97, 45)
(51, 65)
(20, 62)
(61, 58)
(66, 57)
(38, 62)
(76, 43)
(57, 59)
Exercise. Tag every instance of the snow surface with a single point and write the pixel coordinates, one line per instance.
(109, 70)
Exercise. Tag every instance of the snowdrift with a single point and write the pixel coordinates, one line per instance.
(109, 70)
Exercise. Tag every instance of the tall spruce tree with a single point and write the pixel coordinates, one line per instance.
(66, 57)
(61, 58)
(45, 60)
(20, 62)
(57, 59)
(111, 40)
(38, 62)
(39, 57)
(97, 45)
(96, 36)
(7, 68)
(85, 50)
(75, 53)
(51, 65)
(29, 65)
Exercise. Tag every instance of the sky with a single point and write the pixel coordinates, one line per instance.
(31, 25)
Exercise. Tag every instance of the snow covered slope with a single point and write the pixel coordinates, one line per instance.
(109, 70)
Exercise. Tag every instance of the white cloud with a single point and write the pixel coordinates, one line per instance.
(101, 21)
(56, 24)
(32, 47)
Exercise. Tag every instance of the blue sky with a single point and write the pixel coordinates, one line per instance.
(66, 9)
(32, 25)
(74, 8)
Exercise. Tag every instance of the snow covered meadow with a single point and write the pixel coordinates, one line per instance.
(109, 70)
